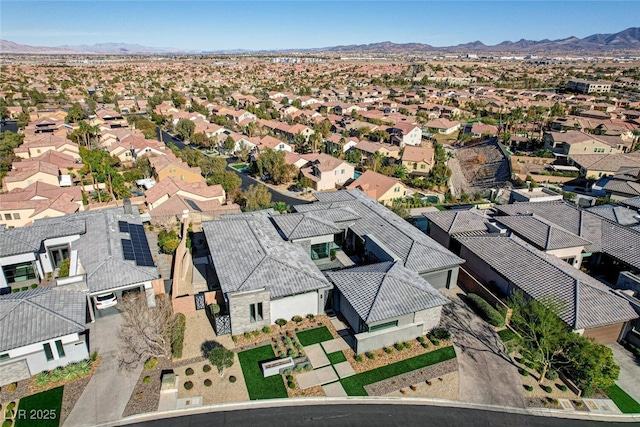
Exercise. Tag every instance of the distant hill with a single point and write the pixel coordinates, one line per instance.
(627, 40)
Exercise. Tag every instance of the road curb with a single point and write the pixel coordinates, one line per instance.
(318, 401)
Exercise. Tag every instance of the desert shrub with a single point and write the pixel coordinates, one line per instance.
(359, 358)
(425, 344)
(399, 346)
(308, 367)
(546, 388)
(232, 379)
(214, 308)
(551, 375)
(587, 391)
(256, 333)
(298, 369)
(266, 329)
(150, 363)
(24, 288)
(434, 340)
(177, 340)
(146, 379)
(370, 355)
(492, 315)
(11, 405)
(247, 334)
(421, 339)
(287, 372)
(292, 385)
(189, 371)
(441, 334)
(528, 387)
(281, 322)
(56, 375)
(94, 356)
(388, 350)
(206, 368)
(188, 385)
(42, 378)
(234, 338)
(63, 271)
(33, 286)
(408, 345)
(523, 372)
(7, 423)
(310, 316)
(289, 378)
(297, 319)
(83, 367)
(207, 382)
(562, 387)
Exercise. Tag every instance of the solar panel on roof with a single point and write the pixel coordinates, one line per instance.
(127, 249)
(123, 226)
(140, 245)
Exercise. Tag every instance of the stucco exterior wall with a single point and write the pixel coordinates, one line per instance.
(286, 308)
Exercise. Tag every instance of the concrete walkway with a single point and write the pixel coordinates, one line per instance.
(106, 396)
(316, 356)
(319, 376)
(629, 370)
(487, 375)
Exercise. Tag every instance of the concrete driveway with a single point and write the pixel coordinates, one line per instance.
(629, 370)
(487, 374)
(108, 391)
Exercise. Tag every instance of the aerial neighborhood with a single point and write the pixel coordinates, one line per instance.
(179, 231)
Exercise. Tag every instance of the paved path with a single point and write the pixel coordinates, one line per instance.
(487, 374)
(629, 370)
(316, 356)
(108, 391)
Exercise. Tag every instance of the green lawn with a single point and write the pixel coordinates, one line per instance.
(239, 166)
(258, 386)
(314, 336)
(441, 207)
(354, 386)
(42, 409)
(337, 357)
(626, 403)
(506, 335)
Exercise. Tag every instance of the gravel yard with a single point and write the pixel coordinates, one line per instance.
(423, 375)
(445, 389)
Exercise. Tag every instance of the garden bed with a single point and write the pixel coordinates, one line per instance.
(263, 336)
(146, 395)
(426, 375)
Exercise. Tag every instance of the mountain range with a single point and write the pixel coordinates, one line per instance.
(627, 40)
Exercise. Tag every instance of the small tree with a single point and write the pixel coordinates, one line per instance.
(145, 332)
(221, 357)
(543, 335)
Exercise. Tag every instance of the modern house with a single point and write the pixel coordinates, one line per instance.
(107, 250)
(386, 303)
(261, 276)
(589, 307)
(40, 330)
(404, 134)
(534, 195)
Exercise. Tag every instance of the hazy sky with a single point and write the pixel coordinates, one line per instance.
(206, 25)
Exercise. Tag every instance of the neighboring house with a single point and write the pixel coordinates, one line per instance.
(589, 307)
(169, 166)
(418, 160)
(39, 200)
(168, 200)
(337, 142)
(595, 166)
(623, 185)
(479, 129)
(577, 142)
(36, 146)
(326, 172)
(444, 126)
(108, 251)
(536, 194)
(262, 277)
(379, 187)
(618, 214)
(404, 133)
(386, 303)
(32, 173)
(274, 144)
(41, 329)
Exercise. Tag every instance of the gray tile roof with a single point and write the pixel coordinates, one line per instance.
(542, 234)
(454, 222)
(304, 225)
(618, 214)
(629, 188)
(248, 253)
(418, 251)
(619, 242)
(587, 302)
(633, 202)
(100, 249)
(41, 314)
(385, 291)
(21, 240)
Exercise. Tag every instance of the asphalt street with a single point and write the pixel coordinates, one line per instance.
(369, 415)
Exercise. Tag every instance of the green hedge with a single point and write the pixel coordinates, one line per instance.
(492, 315)
(178, 335)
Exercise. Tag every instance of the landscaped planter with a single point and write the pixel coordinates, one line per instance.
(276, 367)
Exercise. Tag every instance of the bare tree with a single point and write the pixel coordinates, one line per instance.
(145, 331)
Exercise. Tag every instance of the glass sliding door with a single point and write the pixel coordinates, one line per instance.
(58, 254)
(19, 272)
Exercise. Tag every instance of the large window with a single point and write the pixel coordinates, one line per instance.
(381, 326)
(60, 348)
(58, 254)
(255, 312)
(47, 351)
(321, 250)
(19, 272)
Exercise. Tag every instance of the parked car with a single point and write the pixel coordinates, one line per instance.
(105, 300)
